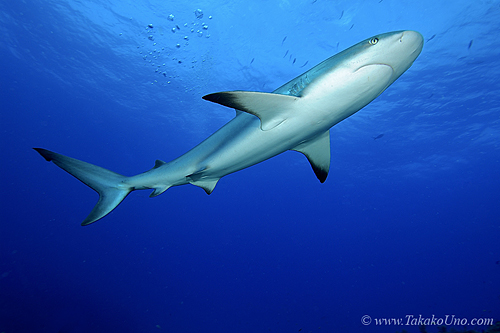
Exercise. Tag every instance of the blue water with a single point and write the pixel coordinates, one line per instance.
(405, 225)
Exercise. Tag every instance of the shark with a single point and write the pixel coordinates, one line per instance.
(297, 116)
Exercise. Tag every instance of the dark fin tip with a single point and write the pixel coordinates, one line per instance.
(45, 153)
(223, 98)
(320, 174)
(211, 97)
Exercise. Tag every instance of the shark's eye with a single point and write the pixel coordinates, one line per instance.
(373, 41)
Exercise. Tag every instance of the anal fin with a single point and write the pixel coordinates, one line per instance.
(158, 190)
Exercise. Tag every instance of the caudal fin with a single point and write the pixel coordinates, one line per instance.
(107, 183)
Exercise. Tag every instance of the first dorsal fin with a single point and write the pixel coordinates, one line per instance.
(317, 152)
(272, 109)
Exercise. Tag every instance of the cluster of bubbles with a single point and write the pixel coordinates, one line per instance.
(162, 40)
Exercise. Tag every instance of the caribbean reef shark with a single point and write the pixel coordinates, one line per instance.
(296, 116)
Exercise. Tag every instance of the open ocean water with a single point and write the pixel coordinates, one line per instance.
(406, 227)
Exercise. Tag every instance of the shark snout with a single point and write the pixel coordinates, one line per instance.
(402, 51)
(414, 41)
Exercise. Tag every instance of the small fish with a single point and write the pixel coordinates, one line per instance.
(294, 60)
(284, 39)
(432, 37)
(378, 136)
(178, 27)
(290, 57)
(342, 14)
(470, 44)
(304, 64)
(252, 61)
(285, 53)
(351, 27)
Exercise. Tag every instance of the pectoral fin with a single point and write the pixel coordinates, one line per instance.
(317, 152)
(272, 109)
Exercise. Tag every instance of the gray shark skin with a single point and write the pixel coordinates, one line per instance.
(296, 116)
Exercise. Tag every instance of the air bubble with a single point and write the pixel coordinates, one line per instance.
(198, 13)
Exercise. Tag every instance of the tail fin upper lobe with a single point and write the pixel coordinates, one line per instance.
(107, 183)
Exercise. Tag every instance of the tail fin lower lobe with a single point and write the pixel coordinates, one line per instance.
(107, 183)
